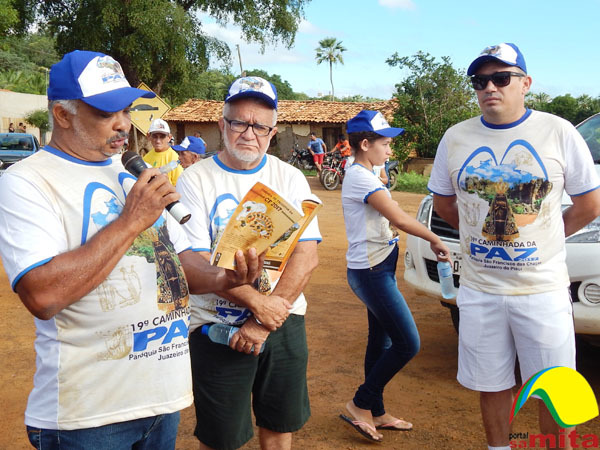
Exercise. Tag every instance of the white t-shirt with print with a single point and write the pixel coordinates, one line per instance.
(370, 239)
(509, 182)
(120, 352)
(212, 191)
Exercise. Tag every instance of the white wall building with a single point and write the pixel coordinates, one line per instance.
(14, 106)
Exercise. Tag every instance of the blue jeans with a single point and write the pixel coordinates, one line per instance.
(150, 433)
(393, 337)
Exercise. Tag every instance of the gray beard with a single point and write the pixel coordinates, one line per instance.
(245, 156)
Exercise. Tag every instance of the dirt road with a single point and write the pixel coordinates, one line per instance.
(425, 392)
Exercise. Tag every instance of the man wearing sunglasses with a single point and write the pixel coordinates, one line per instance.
(501, 176)
(230, 382)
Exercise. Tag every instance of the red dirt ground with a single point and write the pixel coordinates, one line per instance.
(425, 392)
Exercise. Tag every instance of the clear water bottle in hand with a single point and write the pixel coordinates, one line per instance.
(221, 333)
(446, 280)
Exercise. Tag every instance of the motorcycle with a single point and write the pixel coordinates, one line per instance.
(392, 168)
(301, 158)
(333, 174)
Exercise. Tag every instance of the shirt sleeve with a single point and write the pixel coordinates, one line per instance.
(197, 228)
(440, 182)
(31, 231)
(362, 184)
(580, 174)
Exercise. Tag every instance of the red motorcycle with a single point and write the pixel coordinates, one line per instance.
(333, 171)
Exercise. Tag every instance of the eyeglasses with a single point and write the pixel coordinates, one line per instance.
(240, 126)
(500, 79)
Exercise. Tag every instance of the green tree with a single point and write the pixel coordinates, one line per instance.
(330, 50)
(9, 17)
(39, 119)
(564, 106)
(284, 88)
(539, 101)
(433, 97)
(162, 42)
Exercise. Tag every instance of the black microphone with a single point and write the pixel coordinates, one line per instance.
(135, 165)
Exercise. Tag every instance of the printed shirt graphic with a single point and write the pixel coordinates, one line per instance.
(370, 239)
(212, 191)
(120, 352)
(509, 182)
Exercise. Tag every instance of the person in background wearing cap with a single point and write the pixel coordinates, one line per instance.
(190, 150)
(227, 381)
(490, 173)
(393, 339)
(162, 154)
(317, 149)
(86, 248)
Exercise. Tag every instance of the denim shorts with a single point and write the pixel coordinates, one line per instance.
(150, 433)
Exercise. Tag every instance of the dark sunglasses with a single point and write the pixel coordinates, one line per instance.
(500, 79)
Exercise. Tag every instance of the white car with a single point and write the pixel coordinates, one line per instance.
(583, 255)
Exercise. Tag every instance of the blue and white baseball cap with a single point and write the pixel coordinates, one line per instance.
(94, 78)
(255, 87)
(506, 53)
(191, 144)
(374, 121)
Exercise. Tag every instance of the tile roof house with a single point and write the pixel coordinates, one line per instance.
(295, 121)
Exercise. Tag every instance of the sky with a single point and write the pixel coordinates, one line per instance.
(557, 38)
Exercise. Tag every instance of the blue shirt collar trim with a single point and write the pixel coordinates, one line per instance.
(222, 165)
(505, 126)
(67, 157)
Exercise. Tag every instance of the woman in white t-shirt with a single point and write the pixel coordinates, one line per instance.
(372, 255)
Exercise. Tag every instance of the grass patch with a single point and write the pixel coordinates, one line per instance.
(412, 182)
(309, 173)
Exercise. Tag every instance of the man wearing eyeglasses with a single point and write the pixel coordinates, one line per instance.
(228, 380)
(501, 176)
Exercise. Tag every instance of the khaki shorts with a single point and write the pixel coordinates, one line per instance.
(494, 328)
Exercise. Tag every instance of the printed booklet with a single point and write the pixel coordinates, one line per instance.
(264, 220)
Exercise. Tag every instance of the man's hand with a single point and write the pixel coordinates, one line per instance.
(246, 271)
(148, 198)
(272, 311)
(251, 335)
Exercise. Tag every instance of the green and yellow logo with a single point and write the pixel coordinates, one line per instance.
(566, 393)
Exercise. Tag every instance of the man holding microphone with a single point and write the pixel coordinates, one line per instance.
(86, 247)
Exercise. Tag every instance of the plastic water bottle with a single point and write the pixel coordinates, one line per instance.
(446, 280)
(221, 333)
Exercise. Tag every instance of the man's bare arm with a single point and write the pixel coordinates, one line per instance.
(293, 280)
(585, 208)
(447, 209)
(271, 310)
(298, 270)
(51, 287)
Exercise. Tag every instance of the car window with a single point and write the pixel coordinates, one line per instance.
(16, 143)
(590, 130)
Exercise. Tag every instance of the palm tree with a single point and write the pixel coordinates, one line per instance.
(330, 50)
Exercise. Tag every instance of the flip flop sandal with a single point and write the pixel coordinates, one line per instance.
(392, 426)
(356, 424)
